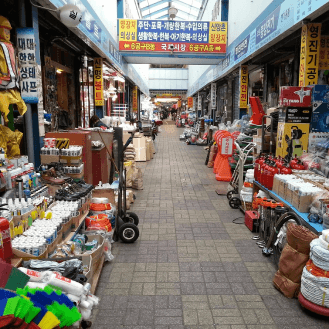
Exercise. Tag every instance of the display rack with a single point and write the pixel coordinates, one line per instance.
(314, 227)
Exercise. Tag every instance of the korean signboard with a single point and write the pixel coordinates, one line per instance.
(324, 53)
(135, 99)
(26, 57)
(241, 48)
(243, 98)
(213, 95)
(309, 55)
(98, 81)
(177, 36)
(190, 102)
(179, 104)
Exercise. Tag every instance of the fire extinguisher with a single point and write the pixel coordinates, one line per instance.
(265, 172)
(261, 173)
(272, 172)
(7, 253)
(298, 165)
(293, 162)
(286, 170)
(258, 162)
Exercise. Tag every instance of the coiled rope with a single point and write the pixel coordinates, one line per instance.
(319, 255)
(315, 289)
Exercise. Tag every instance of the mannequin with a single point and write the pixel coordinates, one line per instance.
(9, 75)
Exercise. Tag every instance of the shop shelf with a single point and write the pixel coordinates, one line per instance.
(315, 227)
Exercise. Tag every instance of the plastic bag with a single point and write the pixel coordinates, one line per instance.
(107, 243)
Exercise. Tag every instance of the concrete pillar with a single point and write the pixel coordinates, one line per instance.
(229, 100)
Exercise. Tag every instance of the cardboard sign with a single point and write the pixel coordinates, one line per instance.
(243, 98)
(98, 81)
(320, 93)
(320, 117)
(295, 115)
(309, 54)
(295, 96)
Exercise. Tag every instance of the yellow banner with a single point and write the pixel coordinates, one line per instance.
(309, 54)
(128, 30)
(190, 102)
(179, 103)
(98, 82)
(217, 32)
(324, 53)
(243, 98)
(135, 99)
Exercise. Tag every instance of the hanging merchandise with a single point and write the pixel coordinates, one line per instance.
(9, 80)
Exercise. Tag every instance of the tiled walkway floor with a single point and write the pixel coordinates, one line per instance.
(191, 267)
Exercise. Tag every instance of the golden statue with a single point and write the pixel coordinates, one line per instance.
(9, 76)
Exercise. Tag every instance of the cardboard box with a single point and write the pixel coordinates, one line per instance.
(140, 148)
(70, 160)
(301, 203)
(320, 117)
(295, 114)
(287, 139)
(282, 189)
(77, 176)
(97, 254)
(47, 159)
(320, 93)
(104, 193)
(295, 96)
(276, 184)
(289, 195)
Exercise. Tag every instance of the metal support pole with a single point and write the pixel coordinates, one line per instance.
(28, 115)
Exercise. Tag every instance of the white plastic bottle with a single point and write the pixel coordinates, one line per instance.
(25, 207)
(30, 204)
(18, 207)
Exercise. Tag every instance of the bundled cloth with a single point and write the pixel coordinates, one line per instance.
(315, 279)
(293, 258)
(130, 153)
(212, 155)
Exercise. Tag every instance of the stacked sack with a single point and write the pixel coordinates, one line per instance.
(130, 153)
(315, 278)
(293, 258)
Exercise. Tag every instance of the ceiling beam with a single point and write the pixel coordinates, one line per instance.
(164, 16)
(154, 5)
(156, 12)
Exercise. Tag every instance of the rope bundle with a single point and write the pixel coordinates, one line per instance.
(315, 289)
(315, 278)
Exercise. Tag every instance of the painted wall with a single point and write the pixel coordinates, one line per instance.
(176, 79)
(107, 12)
(241, 13)
(131, 9)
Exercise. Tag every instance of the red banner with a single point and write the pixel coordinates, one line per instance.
(165, 47)
(190, 102)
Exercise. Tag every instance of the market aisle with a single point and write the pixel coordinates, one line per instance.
(191, 267)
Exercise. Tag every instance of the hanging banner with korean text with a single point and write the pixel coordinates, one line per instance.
(135, 99)
(324, 53)
(98, 81)
(27, 65)
(213, 96)
(190, 102)
(309, 55)
(243, 98)
(199, 102)
(177, 36)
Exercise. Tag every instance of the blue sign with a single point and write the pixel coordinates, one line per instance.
(242, 48)
(27, 64)
(268, 26)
